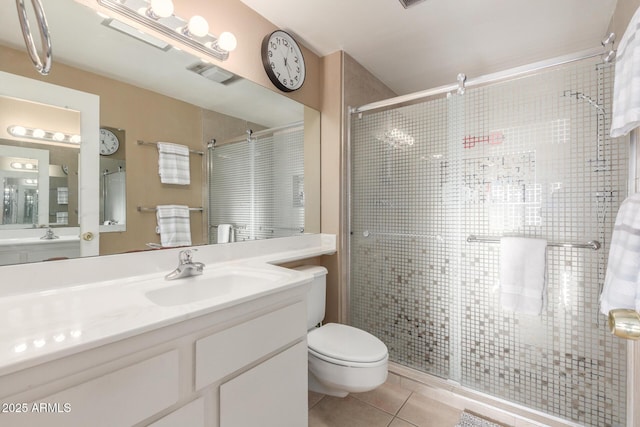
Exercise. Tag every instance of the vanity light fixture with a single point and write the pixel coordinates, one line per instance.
(25, 166)
(44, 135)
(158, 16)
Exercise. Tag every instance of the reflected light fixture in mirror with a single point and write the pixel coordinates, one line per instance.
(41, 134)
(158, 16)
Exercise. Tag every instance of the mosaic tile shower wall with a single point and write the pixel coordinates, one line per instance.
(529, 157)
(258, 186)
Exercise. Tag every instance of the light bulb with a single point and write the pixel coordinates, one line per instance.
(16, 165)
(58, 136)
(75, 139)
(29, 166)
(38, 133)
(198, 26)
(17, 130)
(227, 41)
(161, 8)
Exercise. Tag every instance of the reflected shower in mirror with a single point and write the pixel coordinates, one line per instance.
(158, 94)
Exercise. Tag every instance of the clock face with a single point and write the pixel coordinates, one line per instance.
(109, 142)
(283, 61)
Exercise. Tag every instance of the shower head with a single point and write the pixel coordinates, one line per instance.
(581, 96)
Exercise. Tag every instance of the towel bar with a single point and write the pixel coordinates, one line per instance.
(592, 244)
(143, 209)
(155, 143)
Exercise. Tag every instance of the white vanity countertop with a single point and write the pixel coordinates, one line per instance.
(38, 241)
(43, 324)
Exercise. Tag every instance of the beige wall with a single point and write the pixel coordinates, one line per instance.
(621, 17)
(146, 116)
(345, 83)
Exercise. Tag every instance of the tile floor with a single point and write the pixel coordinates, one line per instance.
(390, 405)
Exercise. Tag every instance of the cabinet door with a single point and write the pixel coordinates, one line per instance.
(272, 394)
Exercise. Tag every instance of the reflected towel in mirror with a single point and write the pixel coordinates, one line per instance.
(225, 233)
(63, 195)
(174, 225)
(173, 163)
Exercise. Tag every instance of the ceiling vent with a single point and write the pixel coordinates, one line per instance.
(211, 72)
(410, 3)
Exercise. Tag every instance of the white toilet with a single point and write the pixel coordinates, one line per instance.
(342, 359)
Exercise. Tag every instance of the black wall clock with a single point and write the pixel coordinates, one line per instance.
(283, 61)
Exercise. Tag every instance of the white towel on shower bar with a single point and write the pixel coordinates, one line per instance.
(174, 225)
(626, 87)
(225, 233)
(173, 163)
(523, 274)
(622, 280)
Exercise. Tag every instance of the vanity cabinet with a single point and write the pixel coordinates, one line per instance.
(242, 366)
(14, 251)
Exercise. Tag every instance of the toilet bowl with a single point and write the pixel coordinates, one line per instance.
(342, 359)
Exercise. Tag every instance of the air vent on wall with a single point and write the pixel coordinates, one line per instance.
(211, 72)
(410, 3)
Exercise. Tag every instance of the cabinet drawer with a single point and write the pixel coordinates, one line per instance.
(272, 394)
(191, 415)
(227, 351)
(120, 398)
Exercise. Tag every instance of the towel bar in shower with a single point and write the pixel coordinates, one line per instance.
(592, 244)
(143, 209)
(156, 144)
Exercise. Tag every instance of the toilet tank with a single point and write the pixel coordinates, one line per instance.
(317, 296)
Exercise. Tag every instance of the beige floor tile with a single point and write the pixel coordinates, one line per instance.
(346, 412)
(389, 397)
(425, 412)
(397, 422)
(314, 398)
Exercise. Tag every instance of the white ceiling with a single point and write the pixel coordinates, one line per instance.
(429, 44)
(79, 39)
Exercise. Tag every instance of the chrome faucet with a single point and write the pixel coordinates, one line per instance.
(49, 235)
(186, 266)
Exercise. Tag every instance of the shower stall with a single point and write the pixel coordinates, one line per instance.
(256, 184)
(435, 182)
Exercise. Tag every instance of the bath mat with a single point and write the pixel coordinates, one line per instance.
(469, 419)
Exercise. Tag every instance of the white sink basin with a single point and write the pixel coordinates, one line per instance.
(225, 284)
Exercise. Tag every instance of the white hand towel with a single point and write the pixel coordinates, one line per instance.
(224, 233)
(626, 87)
(622, 280)
(173, 163)
(174, 225)
(523, 274)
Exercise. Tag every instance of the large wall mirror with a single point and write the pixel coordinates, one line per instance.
(148, 92)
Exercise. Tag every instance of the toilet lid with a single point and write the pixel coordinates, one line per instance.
(343, 342)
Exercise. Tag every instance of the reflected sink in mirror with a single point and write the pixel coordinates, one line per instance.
(225, 285)
(165, 95)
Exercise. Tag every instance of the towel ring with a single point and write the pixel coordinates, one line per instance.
(42, 64)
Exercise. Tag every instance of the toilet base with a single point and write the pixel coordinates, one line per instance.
(335, 380)
(318, 387)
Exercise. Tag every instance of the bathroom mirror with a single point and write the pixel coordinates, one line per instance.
(218, 106)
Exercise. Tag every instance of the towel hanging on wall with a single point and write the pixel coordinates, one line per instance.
(626, 86)
(174, 225)
(173, 163)
(523, 274)
(622, 280)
